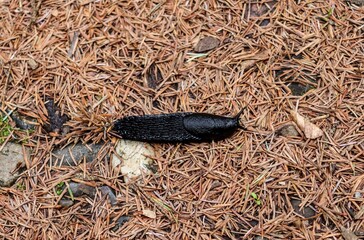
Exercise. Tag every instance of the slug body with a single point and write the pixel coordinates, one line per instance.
(177, 127)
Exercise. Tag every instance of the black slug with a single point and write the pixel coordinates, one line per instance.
(177, 127)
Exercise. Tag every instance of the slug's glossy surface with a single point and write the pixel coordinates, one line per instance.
(177, 127)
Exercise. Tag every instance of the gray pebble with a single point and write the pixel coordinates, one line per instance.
(307, 211)
(120, 222)
(106, 190)
(12, 163)
(66, 202)
(78, 152)
(79, 189)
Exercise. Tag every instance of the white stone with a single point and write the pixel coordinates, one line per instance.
(133, 158)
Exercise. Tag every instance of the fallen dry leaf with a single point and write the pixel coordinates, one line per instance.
(310, 130)
(149, 213)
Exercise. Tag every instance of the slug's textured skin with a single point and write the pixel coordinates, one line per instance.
(177, 127)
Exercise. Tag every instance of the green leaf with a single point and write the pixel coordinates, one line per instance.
(20, 186)
(59, 188)
(254, 195)
(5, 129)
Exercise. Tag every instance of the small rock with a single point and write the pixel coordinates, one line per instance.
(255, 10)
(66, 202)
(207, 44)
(298, 89)
(65, 156)
(120, 222)
(11, 163)
(306, 212)
(106, 190)
(253, 222)
(288, 131)
(79, 189)
(22, 122)
(32, 64)
(265, 22)
(136, 158)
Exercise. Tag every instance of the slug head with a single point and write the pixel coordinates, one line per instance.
(211, 127)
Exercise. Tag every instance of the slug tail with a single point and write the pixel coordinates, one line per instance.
(237, 117)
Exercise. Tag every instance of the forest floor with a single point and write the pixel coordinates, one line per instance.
(73, 67)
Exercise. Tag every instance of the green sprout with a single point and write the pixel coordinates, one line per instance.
(328, 15)
(59, 188)
(70, 193)
(256, 198)
(330, 12)
(5, 129)
(20, 186)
